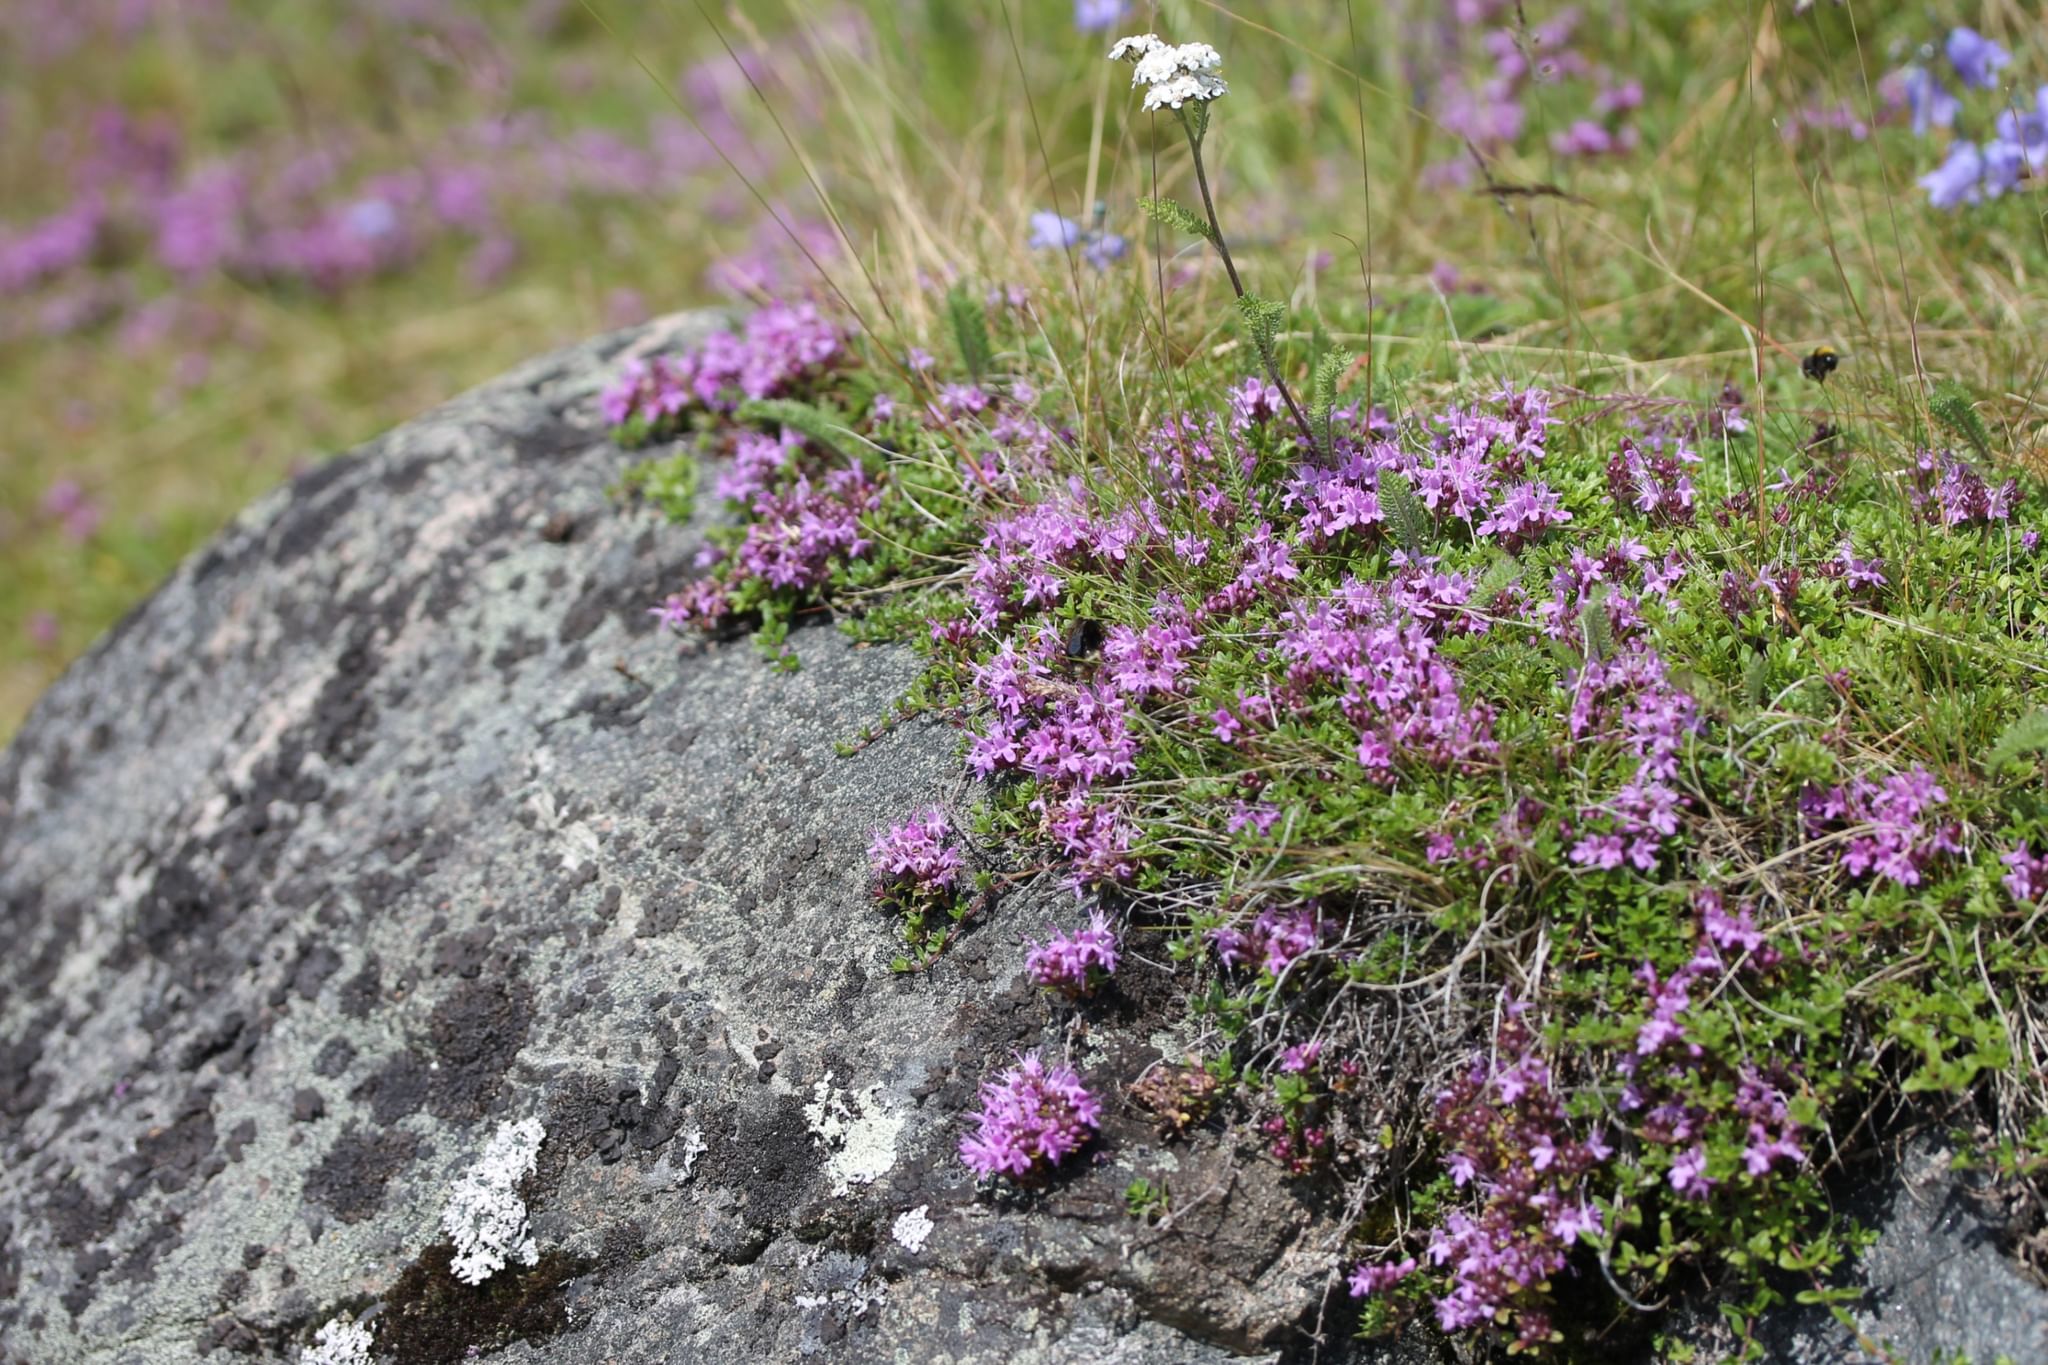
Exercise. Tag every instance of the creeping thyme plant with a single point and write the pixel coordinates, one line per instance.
(1581, 819)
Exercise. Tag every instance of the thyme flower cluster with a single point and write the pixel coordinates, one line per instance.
(1032, 1117)
(1075, 963)
(1500, 635)
(917, 857)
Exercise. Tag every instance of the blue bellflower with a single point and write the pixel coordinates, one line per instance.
(1931, 105)
(1957, 180)
(1976, 58)
(1051, 232)
(1092, 15)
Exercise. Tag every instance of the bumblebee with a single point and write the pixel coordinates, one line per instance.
(1820, 363)
(1084, 639)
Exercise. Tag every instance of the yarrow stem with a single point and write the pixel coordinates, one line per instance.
(1230, 267)
(1184, 80)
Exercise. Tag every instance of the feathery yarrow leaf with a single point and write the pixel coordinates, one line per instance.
(1173, 214)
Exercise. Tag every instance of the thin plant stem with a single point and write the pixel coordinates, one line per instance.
(1237, 285)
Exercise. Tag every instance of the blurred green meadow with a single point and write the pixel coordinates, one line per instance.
(235, 238)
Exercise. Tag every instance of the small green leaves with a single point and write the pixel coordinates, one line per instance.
(1953, 407)
(1597, 629)
(1407, 520)
(1330, 371)
(1146, 1201)
(822, 425)
(1262, 319)
(969, 319)
(1171, 213)
(669, 484)
(2026, 736)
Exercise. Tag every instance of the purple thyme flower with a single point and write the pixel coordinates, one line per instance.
(917, 855)
(1368, 1280)
(1301, 1057)
(1275, 941)
(1524, 512)
(1896, 832)
(1075, 964)
(2027, 874)
(1689, 1173)
(1031, 1119)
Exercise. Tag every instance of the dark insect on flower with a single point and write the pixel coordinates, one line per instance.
(1084, 639)
(1820, 363)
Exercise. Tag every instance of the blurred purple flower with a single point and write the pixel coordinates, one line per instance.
(491, 260)
(1102, 248)
(371, 218)
(51, 247)
(1976, 58)
(1051, 232)
(1929, 101)
(76, 512)
(1689, 1173)
(43, 630)
(624, 307)
(462, 198)
(1091, 15)
(65, 498)
(1588, 138)
(2027, 878)
(1368, 1280)
(1957, 180)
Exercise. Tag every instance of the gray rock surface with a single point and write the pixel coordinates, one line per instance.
(1936, 1283)
(391, 818)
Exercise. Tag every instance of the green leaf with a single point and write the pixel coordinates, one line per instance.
(1756, 672)
(1262, 318)
(669, 484)
(1598, 630)
(1171, 213)
(1330, 372)
(1408, 521)
(1953, 407)
(820, 424)
(2027, 735)
(970, 329)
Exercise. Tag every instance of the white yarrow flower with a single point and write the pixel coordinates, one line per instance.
(1160, 64)
(340, 1342)
(1178, 91)
(485, 1217)
(1172, 75)
(1134, 47)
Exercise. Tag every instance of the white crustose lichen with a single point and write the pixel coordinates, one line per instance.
(340, 1342)
(485, 1217)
